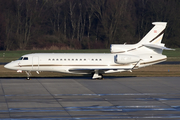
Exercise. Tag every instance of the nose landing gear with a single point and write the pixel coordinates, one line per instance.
(28, 75)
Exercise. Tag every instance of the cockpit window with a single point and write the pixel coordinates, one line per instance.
(20, 58)
(25, 58)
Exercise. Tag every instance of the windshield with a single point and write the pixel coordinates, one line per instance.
(20, 58)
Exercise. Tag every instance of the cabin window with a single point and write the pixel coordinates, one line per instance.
(57, 59)
(60, 59)
(25, 58)
(49, 59)
(20, 58)
(84, 59)
(100, 59)
(64, 59)
(80, 59)
(96, 59)
(68, 59)
(76, 59)
(72, 59)
(53, 59)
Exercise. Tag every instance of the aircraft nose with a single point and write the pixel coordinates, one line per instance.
(9, 65)
(6, 66)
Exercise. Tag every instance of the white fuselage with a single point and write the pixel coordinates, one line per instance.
(81, 63)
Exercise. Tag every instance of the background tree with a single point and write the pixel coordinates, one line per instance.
(75, 24)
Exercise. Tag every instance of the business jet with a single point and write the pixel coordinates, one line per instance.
(123, 57)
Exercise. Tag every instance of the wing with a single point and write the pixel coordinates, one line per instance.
(100, 70)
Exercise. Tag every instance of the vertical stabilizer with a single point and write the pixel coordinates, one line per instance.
(150, 43)
(155, 35)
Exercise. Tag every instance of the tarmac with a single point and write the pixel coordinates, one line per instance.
(79, 98)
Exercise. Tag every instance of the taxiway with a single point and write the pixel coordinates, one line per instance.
(131, 98)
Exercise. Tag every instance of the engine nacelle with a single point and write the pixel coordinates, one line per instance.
(116, 48)
(126, 59)
(120, 48)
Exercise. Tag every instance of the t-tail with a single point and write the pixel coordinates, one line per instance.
(155, 35)
(152, 40)
(148, 49)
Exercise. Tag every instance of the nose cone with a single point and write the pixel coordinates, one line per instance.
(7, 66)
(10, 65)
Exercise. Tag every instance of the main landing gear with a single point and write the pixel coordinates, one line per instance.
(97, 75)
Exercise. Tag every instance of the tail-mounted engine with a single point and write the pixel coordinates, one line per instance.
(126, 59)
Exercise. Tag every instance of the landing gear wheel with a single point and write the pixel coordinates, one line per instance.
(101, 76)
(97, 76)
(28, 78)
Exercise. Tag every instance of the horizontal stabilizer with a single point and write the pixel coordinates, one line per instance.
(156, 46)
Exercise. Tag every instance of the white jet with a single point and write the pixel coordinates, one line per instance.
(123, 57)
